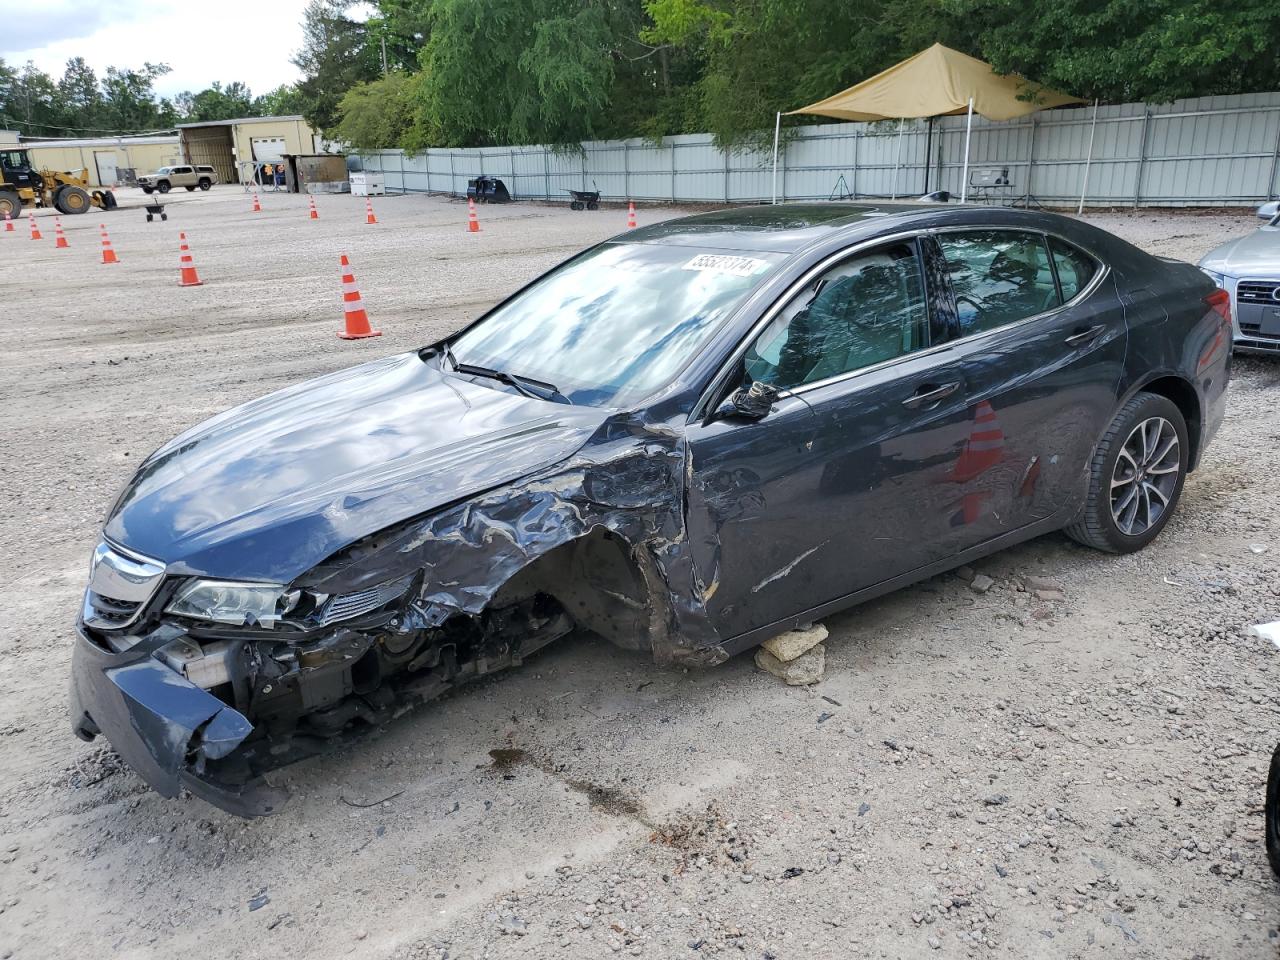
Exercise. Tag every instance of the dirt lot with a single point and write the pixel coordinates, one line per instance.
(977, 774)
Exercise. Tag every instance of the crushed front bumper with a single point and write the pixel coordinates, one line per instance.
(165, 727)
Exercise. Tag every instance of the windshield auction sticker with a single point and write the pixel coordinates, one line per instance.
(722, 263)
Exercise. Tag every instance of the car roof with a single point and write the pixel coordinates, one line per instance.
(790, 227)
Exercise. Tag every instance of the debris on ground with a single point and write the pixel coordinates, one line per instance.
(787, 646)
(805, 669)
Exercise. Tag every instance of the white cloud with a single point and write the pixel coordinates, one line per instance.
(202, 43)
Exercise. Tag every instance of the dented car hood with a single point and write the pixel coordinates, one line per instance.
(267, 490)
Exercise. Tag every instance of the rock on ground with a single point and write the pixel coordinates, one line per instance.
(805, 669)
(787, 646)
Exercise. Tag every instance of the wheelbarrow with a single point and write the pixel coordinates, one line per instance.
(584, 200)
(154, 209)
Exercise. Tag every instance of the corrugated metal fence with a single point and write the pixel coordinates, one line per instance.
(1211, 151)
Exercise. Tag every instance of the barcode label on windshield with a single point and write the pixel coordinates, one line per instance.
(722, 263)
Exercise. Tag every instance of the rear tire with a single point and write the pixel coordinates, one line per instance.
(191, 189)
(71, 199)
(1135, 477)
(206, 184)
(10, 203)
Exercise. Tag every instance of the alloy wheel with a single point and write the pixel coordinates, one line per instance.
(1145, 476)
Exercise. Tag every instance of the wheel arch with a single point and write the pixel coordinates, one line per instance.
(607, 585)
(1182, 393)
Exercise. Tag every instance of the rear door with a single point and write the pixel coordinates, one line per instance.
(1041, 337)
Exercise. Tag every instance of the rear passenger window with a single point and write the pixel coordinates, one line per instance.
(998, 277)
(1075, 267)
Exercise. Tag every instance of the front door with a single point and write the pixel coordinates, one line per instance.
(838, 487)
(1041, 335)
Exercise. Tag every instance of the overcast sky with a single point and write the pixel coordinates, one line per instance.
(202, 42)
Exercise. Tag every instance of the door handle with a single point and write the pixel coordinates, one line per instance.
(929, 395)
(1085, 336)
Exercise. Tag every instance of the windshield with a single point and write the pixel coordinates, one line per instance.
(615, 323)
(163, 170)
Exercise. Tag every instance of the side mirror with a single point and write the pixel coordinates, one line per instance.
(1268, 210)
(750, 403)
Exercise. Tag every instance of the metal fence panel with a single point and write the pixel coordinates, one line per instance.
(1206, 151)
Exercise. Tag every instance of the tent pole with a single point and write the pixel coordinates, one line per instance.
(964, 176)
(1088, 159)
(777, 128)
(928, 149)
(897, 160)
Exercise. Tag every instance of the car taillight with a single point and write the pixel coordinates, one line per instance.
(1220, 303)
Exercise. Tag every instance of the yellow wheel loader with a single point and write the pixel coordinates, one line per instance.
(23, 186)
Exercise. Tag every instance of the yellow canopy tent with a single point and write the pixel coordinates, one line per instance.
(936, 82)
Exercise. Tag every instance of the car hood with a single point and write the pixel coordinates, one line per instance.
(266, 490)
(1257, 254)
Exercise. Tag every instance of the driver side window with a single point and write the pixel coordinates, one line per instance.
(865, 310)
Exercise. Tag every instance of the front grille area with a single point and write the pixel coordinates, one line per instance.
(109, 612)
(1258, 291)
(348, 605)
(120, 584)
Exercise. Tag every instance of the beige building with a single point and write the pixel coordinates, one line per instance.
(108, 159)
(229, 146)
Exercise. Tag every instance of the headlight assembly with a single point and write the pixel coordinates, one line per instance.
(237, 604)
(1219, 280)
(266, 604)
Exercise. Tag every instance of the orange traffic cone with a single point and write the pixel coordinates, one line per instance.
(357, 320)
(8, 222)
(315, 214)
(108, 255)
(35, 231)
(187, 267)
(257, 207)
(368, 211)
(61, 242)
(631, 215)
(473, 225)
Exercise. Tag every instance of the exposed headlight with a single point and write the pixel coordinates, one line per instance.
(238, 604)
(1217, 278)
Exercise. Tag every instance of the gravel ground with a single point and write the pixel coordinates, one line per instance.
(977, 774)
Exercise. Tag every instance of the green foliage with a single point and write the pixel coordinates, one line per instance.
(218, 103)
(284, 101)
(337, 53)
(1155, 50)
(81, 104)
(377, 115)
(474, 72)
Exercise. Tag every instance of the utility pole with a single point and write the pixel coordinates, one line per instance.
(384, 56)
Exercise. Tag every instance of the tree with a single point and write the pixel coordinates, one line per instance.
(378, 115)
(217, 103)
(1155, 50)
(79, 97)
(335, 56)
(506, 73)
(284, 101)
(129, 100)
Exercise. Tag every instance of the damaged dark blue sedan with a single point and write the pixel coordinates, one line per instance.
(684, 441)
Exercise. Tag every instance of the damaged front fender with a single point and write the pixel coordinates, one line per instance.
(629, 481)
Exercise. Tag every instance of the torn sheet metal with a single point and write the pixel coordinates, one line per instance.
(628, 481)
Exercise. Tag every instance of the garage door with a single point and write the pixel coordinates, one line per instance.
(267, 148)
